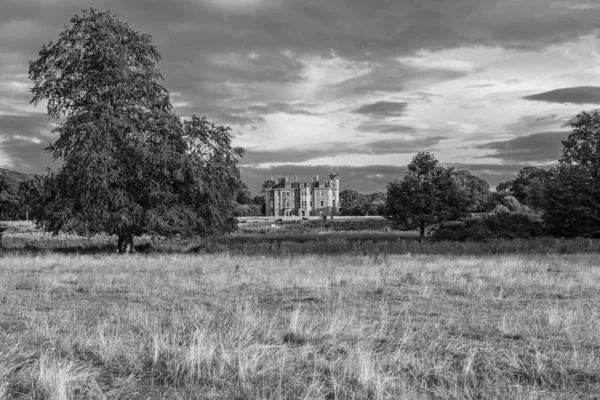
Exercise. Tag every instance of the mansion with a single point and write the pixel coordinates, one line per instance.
(303, 199)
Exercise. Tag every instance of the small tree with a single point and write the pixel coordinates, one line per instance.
(349, 199)
(426, 194)
(130, 165)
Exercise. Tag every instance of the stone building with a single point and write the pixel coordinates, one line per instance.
(304, 199)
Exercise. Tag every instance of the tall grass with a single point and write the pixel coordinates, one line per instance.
(317, 326)
(22, 238)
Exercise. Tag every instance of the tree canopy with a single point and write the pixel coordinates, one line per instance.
(475, 190)
(354, 203)
(131, 166)
(427, 194)
(573, 189)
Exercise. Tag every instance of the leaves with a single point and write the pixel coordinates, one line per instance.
(573, 189)
(427, 194)
(131, 166)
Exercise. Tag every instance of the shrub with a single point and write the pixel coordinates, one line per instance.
(503, 225)
(500, 209)
(511, 203)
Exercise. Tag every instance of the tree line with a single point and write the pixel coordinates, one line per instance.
(563, 201)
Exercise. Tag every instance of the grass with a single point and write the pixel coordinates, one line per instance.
(230, 325)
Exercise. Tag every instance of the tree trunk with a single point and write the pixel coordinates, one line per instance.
(421, 230)
(2, 229)
(125, 244)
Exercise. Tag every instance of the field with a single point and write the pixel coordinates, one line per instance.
(321, 314)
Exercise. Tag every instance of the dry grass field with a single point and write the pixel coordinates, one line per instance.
(355, 325)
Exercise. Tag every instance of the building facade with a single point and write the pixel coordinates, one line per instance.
(304, 199)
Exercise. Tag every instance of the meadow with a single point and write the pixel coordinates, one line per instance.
(294, 312)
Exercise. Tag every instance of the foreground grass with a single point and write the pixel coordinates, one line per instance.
(307, 327)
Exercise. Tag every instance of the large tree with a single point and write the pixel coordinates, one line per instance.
(130, 165)
(427, 194)
(572, 206)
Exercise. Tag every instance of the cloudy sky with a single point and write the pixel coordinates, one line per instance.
(352, 86)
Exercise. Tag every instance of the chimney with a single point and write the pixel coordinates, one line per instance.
(295, 178)
(317, 178)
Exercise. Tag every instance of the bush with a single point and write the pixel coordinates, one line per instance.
(462, 232)
(503, 225)
(511, 203)
(500, 209)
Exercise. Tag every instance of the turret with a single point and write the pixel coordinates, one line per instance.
(334, 184)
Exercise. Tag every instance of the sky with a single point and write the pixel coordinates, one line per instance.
(356, 87)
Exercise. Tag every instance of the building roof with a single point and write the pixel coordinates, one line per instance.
(296, 185)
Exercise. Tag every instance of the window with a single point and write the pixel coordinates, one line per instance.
(333, 185)
(287, 194)
(287, 203)
(311, 203)
(304, 193)
(303, 203)
(322, 203)
(334, 203)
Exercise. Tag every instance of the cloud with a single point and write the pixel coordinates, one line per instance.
(377, 147)
(479, 86)
(575, 95)
(383, 109)
(391, 76)
(278, 107)
(536, 123)
(372, 126)
(575, 118)
(31, 123)
(26, 154)
(542, 147)
(368, 179)
(22, 140)
(238, 64)
(402, 146)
